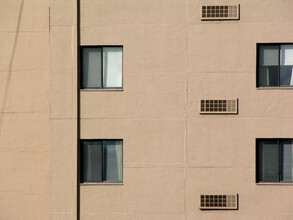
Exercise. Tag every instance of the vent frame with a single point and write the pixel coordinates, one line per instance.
(218, 106)
(217, 200)
(220, 12)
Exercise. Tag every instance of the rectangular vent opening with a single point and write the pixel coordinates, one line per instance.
(218, 106)
(220, 12)
(219, 201)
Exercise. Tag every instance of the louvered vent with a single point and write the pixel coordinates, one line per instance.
(219, 201)
(220, 12)
(219, 106)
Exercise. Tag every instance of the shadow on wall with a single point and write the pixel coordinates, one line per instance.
(6, 87)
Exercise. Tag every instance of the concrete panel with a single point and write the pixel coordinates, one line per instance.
(59, 16)
(143, 97)
(132, 216)
(218, 180)
(260, 11)
(24, 110)
(25, 172)
(61, 97)
(145, 190)
(24, 91)
(146, 48)
(251, 11)
(233, 139)
(269, 104)
(253, 102)
(253, 198)
(223, 86)
(63, 176)
(61, 72)
(62, 216)
(144, 141)
(32, 15)
(162, 216)
(24, 205)
(220, 141)
(109, 216)
(218, 53)
(24, 132)
(24, 51)
(155, 190)
(132, 12)
(61, 60)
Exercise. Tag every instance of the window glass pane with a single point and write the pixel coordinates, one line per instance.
(286, 75)
(286, 68)
(268, 161)
(91, 67)
(112, 67)
(268, 76)
(91, 161)
(112, 161)
(286, 55)
(268, 55)
(286, 161)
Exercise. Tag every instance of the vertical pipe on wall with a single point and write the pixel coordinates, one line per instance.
(78, 109)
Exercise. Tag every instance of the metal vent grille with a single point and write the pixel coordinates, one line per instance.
(219, 201)
(218, 106)
(220, 12)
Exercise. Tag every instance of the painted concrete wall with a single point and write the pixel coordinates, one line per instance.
(24, 110)
(63, 109)
(172, 154)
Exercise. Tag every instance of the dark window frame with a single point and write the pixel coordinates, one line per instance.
(81, 67)
(102, 162)
(258, 45)
(280, 159)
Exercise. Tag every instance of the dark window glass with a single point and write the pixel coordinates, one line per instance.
(101, 67)
(274, 160)
(91, 67)
(101, 161)
(275, 65)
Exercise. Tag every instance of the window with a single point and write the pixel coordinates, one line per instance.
(275, 65)
(274, 160)
(101, 67)
(101, 161)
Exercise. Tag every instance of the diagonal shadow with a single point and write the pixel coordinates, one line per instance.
(6, 87)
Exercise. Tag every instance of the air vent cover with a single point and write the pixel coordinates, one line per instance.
(218, 106)
(219, 201)
(220, 12)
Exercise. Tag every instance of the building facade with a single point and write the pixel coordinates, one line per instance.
(149, 110)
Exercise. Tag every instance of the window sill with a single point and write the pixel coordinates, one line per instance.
(98, 183)
(274, 184)
(102, 90)
(275, 88)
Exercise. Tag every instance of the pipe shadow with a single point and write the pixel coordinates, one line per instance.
(7, 84)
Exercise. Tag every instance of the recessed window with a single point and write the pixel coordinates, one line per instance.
(101, 161)
(101, 67)
(275, 65)
(274, 160)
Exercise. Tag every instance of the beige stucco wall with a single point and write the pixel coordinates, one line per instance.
(171, 153)
(24, 110)
(63, 109)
